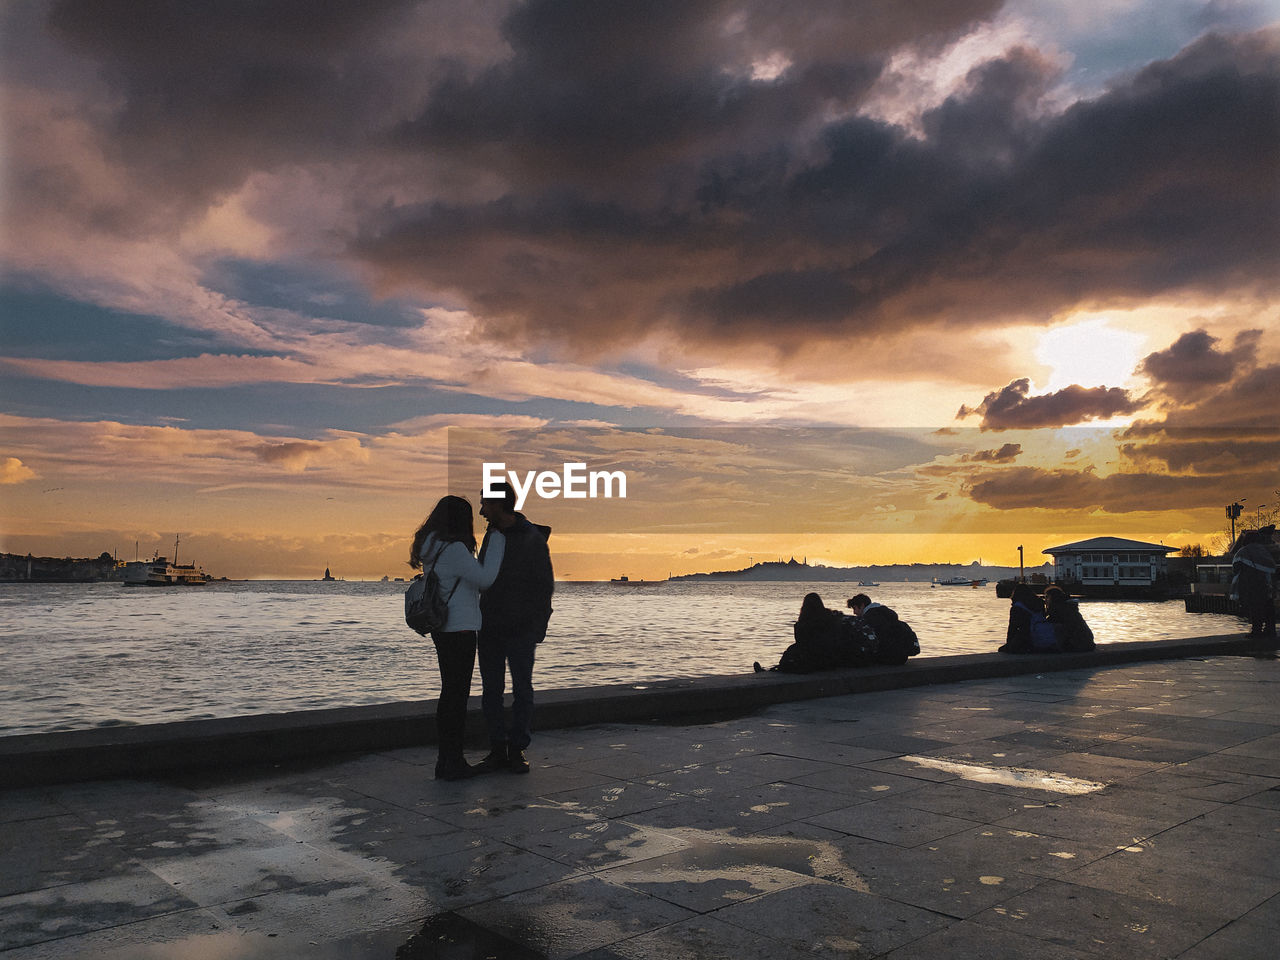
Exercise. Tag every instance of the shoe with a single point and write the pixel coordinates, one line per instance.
(463, 771)
(516, 762)
(757, 668)
(496, 760)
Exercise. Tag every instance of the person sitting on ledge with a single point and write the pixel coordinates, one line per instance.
(895, 640)
(1063, 613)
(1029, 631)
(824, 640)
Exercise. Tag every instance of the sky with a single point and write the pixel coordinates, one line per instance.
(859, 282)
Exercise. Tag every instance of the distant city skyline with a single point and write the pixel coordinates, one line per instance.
(872, 282)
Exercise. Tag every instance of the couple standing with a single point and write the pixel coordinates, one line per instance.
(499, 604)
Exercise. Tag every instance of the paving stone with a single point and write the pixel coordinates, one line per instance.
(52, 851)
(602, 844)
(1152, 749)
(1253, 935)
(1100, 921)
(73, 908)
(158, 938)
(959, 799)
(707, 939)
(565, 919)
(894, 823)
(833, 920)
(975, 941)
(234, 873)
(485, 870)
(700, 814)
(865, 783)
(1235, 787)
(1143, 870)
(1200, 842)
(703, 817)
(29, 803)
(1081, 822)
(999, 850)
(930, 878)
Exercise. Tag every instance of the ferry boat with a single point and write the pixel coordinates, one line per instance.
(159, 572)
(960, 582)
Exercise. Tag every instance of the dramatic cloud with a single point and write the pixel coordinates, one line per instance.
(1163, 184)
(585, 174)
(1006, 454)
(1011, 408)
(1022, 488)
(1192, 362)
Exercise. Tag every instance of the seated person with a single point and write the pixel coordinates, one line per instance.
(895, 640)
(1072, 633)
(1029, 631)
(824, 639)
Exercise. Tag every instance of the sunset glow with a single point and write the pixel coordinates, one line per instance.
(867, 282)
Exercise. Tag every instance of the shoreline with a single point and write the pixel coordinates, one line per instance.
(245, 741)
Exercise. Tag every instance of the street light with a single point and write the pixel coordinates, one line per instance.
(1234, 510)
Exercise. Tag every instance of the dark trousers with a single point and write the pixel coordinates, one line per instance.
(499, 651)
(456, 654)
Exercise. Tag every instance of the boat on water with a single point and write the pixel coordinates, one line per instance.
(868, 583)
(159, 572)
(628, 582)
(960, 582)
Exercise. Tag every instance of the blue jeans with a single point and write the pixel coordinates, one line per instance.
(500, 650)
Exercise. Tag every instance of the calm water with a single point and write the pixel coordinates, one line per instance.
(79, 656)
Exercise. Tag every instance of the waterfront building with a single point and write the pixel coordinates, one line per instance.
(1110, 563)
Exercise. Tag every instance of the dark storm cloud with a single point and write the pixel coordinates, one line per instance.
(1192, 362)
(1011, 408)
(734, 225)
(676, 163)
(1020, 488)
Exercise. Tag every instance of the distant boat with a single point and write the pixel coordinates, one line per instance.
(628, 582)
(960, 582)
(159, 572)
(867, 583)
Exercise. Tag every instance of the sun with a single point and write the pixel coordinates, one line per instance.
(1091, 353)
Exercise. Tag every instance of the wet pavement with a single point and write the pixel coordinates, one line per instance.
(1129, 811)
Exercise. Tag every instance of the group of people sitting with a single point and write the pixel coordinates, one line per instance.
(1051, 625)
(875, 635)
(826, 639)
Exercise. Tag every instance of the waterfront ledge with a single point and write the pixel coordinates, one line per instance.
(160, 748)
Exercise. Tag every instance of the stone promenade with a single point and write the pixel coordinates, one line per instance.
(1127, 811)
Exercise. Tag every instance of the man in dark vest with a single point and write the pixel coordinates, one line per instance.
(513, 621)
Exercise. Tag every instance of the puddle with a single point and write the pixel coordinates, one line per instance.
(1009, 776)
(763, 863)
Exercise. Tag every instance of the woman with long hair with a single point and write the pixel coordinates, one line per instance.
(446, 542)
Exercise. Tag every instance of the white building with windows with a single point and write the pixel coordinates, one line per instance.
(1110, 562)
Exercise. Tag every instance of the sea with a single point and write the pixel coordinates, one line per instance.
(80, 656)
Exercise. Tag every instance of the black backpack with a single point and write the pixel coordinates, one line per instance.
(424, 611)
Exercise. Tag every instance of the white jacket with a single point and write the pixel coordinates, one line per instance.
(458, 566)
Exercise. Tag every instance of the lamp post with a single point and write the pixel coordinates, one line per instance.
(1021, 576)
(1234, 510)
